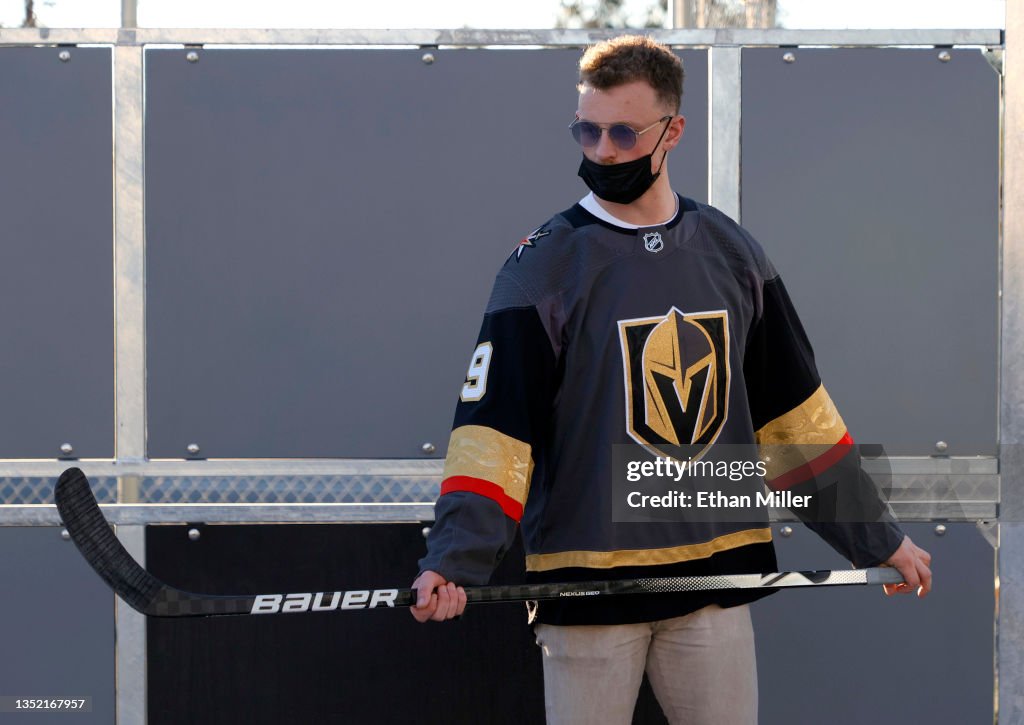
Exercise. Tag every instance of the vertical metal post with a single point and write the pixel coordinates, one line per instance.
(131, 641)
(1010, 600)
(683, 14)
(130, 346)
(724, 69)
(129, 13)
(760, 14)
(129, 254)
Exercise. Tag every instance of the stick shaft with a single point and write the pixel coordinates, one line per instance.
(92, 535)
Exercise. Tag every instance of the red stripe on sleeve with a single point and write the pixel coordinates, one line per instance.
(814, 467)
(512, 508)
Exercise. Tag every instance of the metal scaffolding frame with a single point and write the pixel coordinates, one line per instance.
(1000, 479)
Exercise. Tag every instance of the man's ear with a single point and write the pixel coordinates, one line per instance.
(675, 132)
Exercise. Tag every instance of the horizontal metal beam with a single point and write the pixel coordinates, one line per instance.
(228, 467)
(916, 511)
(477, 38)
(924, 466)
(927, 465)
(59, 36)
(334, 513)
(326, 513)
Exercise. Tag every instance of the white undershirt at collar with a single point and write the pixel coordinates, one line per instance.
(590, 203)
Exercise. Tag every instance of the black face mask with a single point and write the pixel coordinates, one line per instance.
(621, 183)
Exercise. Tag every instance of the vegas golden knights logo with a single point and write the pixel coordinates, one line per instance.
(676, 371)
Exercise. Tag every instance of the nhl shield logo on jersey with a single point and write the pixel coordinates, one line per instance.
(676, 373)
(653, 242)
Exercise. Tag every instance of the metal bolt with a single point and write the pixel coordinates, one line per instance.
(67, 449)
(426, 531)
(945, 56)
(428, 447)
(193, 449)
(940, 530)
(787, 531)
(192, 56)
(789, 57)
(193, 534)
(64, 55)
(65, 535)
(941, 446)
(428, 58)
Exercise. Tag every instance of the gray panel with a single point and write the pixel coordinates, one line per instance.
(56, 263)
(871, 177)
(56, 627)
(323, 228)
(853, 656)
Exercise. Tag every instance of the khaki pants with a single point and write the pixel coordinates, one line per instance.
(701, 667)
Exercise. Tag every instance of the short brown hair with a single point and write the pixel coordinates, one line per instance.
(629, 58)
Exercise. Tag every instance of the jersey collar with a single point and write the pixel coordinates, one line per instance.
(590, 203)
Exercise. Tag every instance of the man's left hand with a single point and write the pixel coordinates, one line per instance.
(914, 564)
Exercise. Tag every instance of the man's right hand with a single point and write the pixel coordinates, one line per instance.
(448, 602)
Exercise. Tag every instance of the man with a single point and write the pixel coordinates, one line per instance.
(637, 316)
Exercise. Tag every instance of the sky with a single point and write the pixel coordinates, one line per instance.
(476, 13)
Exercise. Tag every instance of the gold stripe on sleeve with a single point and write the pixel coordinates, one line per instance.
(800, 435)
(480, 452)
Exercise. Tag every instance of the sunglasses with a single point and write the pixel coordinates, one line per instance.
(624, 137)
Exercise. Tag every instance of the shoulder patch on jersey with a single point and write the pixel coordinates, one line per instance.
(529, 241)
(546, 263)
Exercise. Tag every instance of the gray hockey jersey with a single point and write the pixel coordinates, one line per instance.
(599, 339)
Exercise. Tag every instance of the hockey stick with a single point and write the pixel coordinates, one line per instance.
(92, 535)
